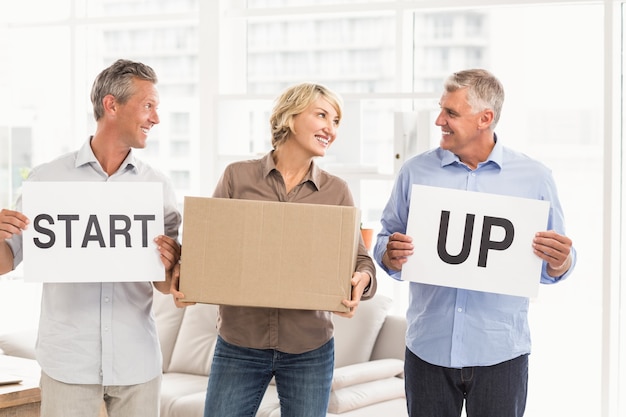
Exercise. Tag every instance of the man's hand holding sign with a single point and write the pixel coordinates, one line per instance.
(555, 249)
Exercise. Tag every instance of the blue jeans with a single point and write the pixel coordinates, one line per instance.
(239, 377)
(488, 391)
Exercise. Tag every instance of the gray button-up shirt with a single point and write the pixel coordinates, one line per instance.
(99, 333)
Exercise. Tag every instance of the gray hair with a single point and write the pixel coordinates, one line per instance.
(484, 90)
(117, 80)
(294, 101)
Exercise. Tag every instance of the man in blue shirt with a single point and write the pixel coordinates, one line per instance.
(462, 345)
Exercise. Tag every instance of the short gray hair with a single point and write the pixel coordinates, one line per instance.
(484, 90)
(117, 81)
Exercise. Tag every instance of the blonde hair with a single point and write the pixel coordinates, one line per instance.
(293, 101)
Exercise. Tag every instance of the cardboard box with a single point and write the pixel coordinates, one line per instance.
(268, 254)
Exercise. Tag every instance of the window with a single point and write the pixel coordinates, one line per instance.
(221, 64)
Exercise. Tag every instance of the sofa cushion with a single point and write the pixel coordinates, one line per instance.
(191, 405)
(391, 339)
(195, 344)
(366, 372)
(355, 337)
(21, 343)
(391, 408)
(168, 319)
(177, 388)
(362, 395)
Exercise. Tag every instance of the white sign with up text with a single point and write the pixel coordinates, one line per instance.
(475, 241)
(92, 231)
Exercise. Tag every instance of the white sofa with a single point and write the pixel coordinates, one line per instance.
(368, 361)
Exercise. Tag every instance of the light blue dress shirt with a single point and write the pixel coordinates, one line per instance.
(99, 333)
(453, 327)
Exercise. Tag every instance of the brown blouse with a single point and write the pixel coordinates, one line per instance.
(286, 330)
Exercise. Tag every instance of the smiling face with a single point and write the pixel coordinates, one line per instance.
(138, 114)
(458, 122)
(464, 131)
(316, 127)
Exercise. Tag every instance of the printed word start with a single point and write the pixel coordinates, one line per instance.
(119, 227)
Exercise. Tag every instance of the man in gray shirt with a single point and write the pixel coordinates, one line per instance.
(97, 341)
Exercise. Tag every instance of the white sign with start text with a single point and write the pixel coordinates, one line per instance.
(92, 231)
(475, 241)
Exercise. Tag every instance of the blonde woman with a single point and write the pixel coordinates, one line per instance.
(293, 346)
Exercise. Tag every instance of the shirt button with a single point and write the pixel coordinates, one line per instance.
(106, 329)
(106, 299)
(460, 310)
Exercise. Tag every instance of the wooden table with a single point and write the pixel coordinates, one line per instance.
(23, 399)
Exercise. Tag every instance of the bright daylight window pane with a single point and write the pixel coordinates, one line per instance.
(171, 49)
(135, 8)
(260, 4)
(38, 11)
(41, 105)
(348, 54)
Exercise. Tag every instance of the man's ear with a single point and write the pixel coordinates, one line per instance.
(486, 118)
(109, 104)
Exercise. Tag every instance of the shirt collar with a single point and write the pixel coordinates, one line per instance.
(313, 176)
(496, 153)
(86, 156)
(495, 157)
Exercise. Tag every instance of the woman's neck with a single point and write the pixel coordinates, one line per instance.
(292, 166)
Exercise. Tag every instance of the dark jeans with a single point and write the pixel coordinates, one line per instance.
(488, 391)
(240, 376)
